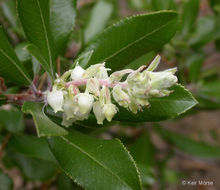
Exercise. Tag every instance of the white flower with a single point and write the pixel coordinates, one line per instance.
(67, 122)
(98, 70)
(120, 96)
(98, 111)
(84, 102)
(69, 110)
(77, 73)
(109, 111)
(55, 100)
(93, 86)
(162, 80)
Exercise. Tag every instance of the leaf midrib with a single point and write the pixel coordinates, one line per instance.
(136, 41)
(95, 160)
(14, 63)
(46, 38)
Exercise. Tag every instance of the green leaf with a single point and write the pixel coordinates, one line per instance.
(62, 20)
(190, 13)
(5, 181)
(35, 52)
(143, 153)
(64, 182)
(143, 150)
(143, 60)
(194, 63)
(96, 22)
(189, 145)
(178, 102)
(9, 10)
(10, 66)
(205, 31)
(31, 146)
(163, 5)
(107, 161)
(12, 120)
(44, 126)
(140, 4)
(208, 94)
(83, 58)
(131, 38)
(35, 18)
(33, 168)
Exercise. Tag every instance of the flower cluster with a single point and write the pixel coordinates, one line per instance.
(78, 92)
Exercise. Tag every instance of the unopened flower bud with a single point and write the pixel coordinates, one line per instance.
(162, 80)
(109, 111)
(85, 102)
(133, 106)
(118, 75)
(77, 73)
(98, 111)
(92, 86)
(120, 96)
(55, 100)
(99, 71)
(154, 64)
(105, 96)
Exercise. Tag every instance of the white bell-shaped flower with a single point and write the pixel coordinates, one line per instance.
(55, 100)
(98, 111)
(85, 102)
(109, 111)
(77, 73)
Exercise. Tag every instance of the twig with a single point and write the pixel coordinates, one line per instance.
(4, 144)
(58, 65)
(43, 79)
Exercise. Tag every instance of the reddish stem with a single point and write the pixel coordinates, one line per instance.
(106, 83)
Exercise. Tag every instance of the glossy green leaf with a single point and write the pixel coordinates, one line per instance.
(9, 11)
(107, 161)
(31, 146)
(178, 102)
(163, 5)
(131, 38)
(208, 94)
(190, 13)
(12, 120)
(6, 182)
(44, 126)
(33, 168)
(35, 18)
(194, 63)
(62, 20)
(83, 58)
(140, 4)
(143, 60)
(143, 152)
(35, 52)
(10, 66)
(64, 182)
(97, 23)
(205, 31)
(22, 54)
(189, 145)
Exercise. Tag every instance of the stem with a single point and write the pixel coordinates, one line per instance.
(58, 65)
(4, 144)
(106, 83)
